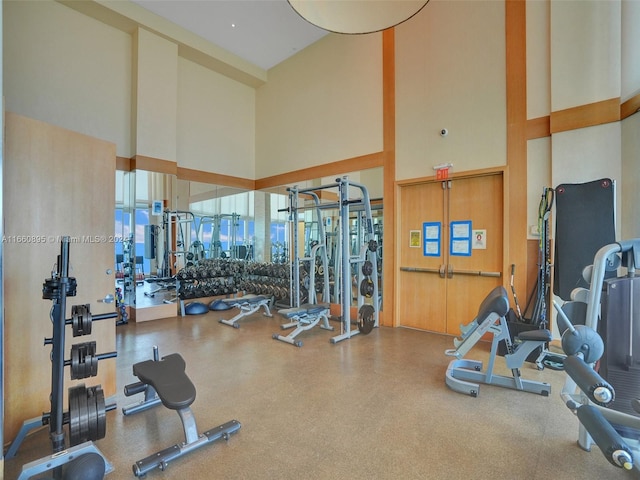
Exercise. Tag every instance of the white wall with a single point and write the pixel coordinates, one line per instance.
(216, 122)
(156, 103)
(538, 177)
(450, 64)
(322, 105)
(538, 68)
(67, 69)
(585, 52)
(630, 204)
(630, 42)
(588, 154)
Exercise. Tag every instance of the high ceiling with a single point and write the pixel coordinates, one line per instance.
(263, 32)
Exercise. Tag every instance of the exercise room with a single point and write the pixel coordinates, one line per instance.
(308, 239)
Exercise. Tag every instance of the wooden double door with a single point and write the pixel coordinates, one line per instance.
(451, 250)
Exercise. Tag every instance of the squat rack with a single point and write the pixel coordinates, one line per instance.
(368, 313)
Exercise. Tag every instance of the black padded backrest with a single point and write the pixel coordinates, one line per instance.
(168, 378)
(496, 302)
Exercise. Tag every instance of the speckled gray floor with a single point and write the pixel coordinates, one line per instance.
(371, 407)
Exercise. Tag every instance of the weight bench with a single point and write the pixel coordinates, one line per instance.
(303, 318)
(464, 375)
(248, 305)
(174, 389)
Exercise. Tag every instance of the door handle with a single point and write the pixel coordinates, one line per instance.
(442, 271)
(449, 271)
(477, 273)
(108, 298)
(420, 270)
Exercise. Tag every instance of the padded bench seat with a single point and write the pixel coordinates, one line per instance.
(249, 299)
(305, 309)
(168, 378)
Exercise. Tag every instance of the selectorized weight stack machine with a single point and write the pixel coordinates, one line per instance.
(86, 416)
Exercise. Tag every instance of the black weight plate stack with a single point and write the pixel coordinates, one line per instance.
(87, 414)
(81, 320)
(84, 362)
(51, 288)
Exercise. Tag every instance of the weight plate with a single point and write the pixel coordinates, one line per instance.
(101, 412)
(81, 320)
(78, 421)
(366, 320)
(367, 268)
(74, 416)
(366, 288)
(75, 363)
(84, 416)
(92, 415)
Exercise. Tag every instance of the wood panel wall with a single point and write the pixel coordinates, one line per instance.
(56, 183)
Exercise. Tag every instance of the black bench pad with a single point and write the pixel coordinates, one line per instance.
(542, 335)
(168, 378)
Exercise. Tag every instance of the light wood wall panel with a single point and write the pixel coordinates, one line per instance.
(56, 182)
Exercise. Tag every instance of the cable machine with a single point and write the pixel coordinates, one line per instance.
(215, 247)
(176, 243)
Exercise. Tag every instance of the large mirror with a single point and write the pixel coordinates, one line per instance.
(185, 240)
(312, 234)
(143, 199)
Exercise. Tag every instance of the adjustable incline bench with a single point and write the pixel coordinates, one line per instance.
(303, 318)
(464, 376)
(248, 305)
(167, 379)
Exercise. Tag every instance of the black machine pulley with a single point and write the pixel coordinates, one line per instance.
(87, 414)
(52, 287)
(81, 320)
(373, 246)
(366, 288)
(84, 361)
(366, 320)
(367, 268)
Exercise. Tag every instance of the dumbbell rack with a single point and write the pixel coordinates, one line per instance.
(86, 415)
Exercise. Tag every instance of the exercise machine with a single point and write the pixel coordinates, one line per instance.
(606, 402)
(165, 381)
(303, 318)
(86, 416)
(248, 305)
(303, 269)
(588, 395)
(464, 376)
